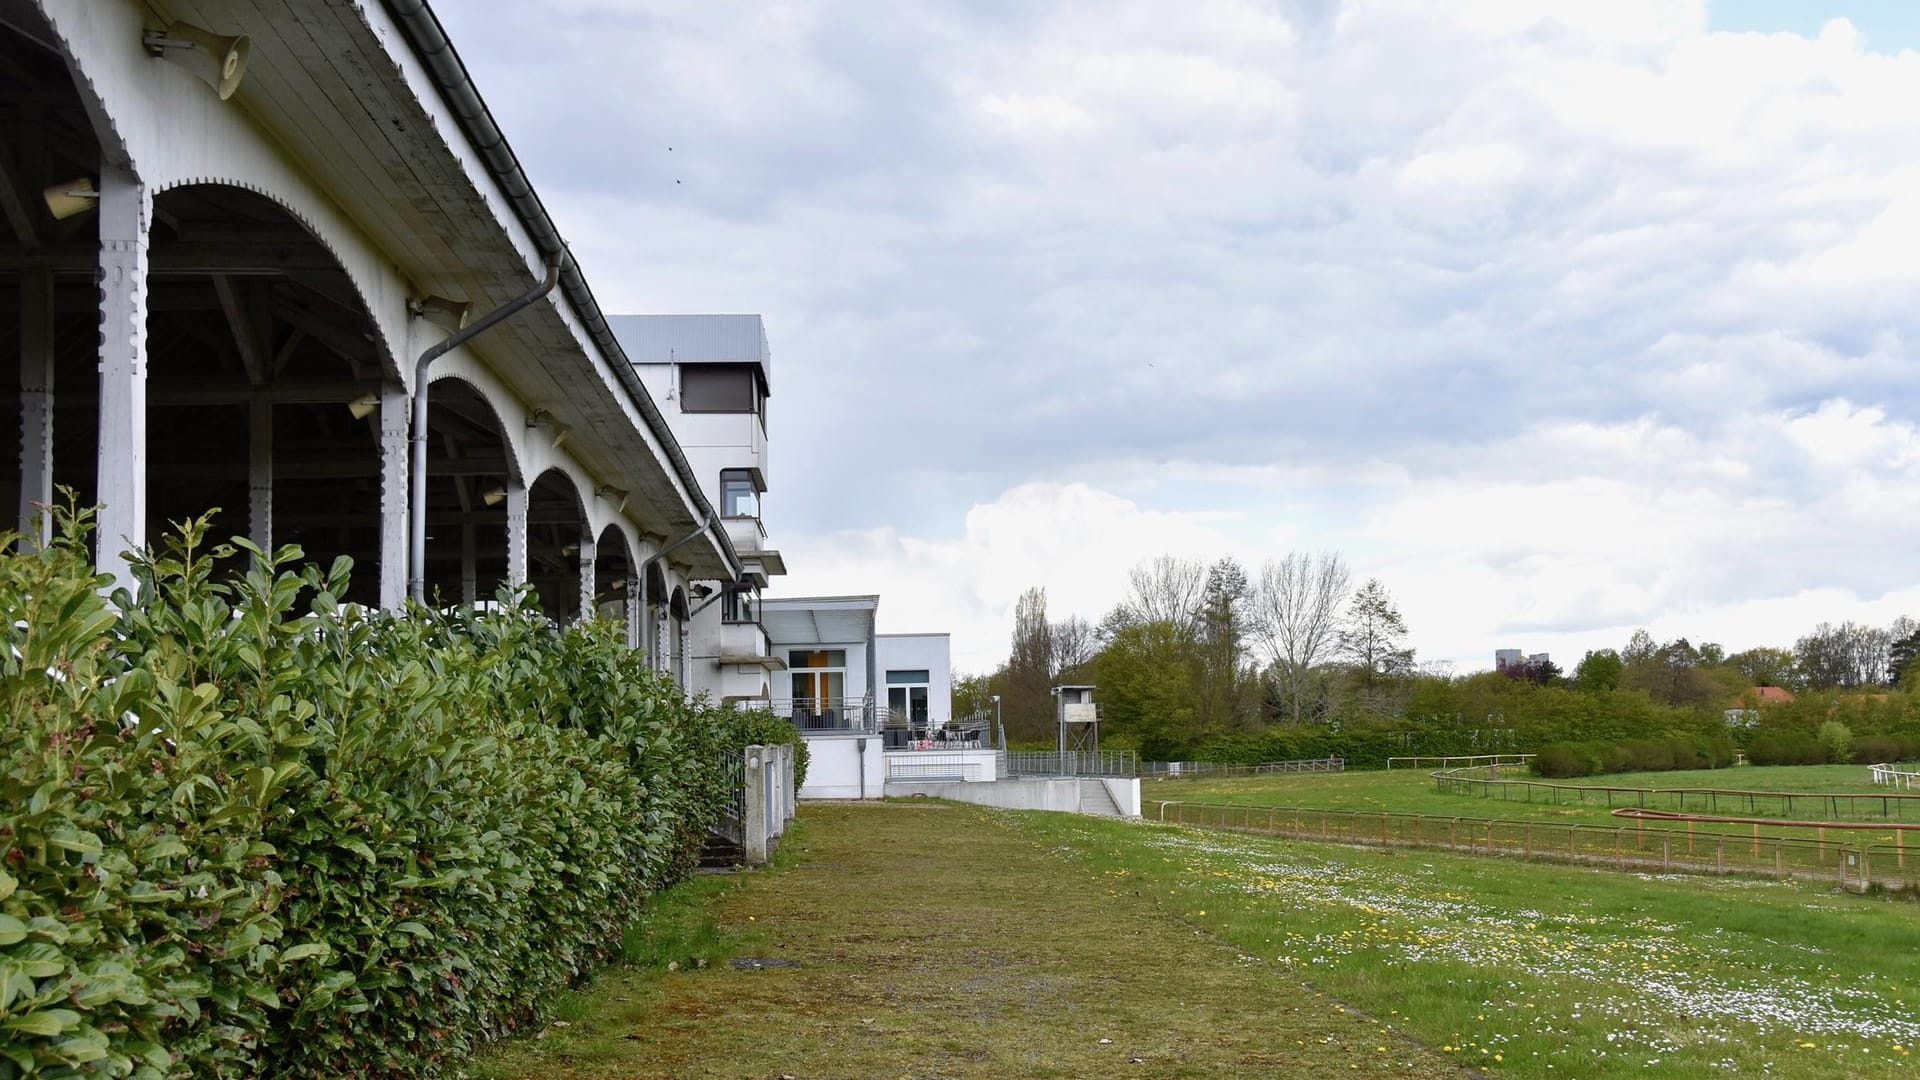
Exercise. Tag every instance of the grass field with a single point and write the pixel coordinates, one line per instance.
(1545, 971)
(1412, 791)
(935, 941)
(929, 940)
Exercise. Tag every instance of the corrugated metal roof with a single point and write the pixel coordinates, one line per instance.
(695, 339)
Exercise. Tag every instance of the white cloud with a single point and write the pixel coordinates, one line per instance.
(1074, 540)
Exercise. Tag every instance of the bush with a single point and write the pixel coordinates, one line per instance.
(1876, 750)
(1561, 760)
(1836, 742)
(241, 840)
(1785, 748)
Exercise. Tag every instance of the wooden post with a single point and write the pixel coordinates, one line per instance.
(1779, 864)
(1527, 840)
(1666, 853)
(1720, 856)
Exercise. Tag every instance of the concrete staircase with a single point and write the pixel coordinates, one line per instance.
(1095, 799)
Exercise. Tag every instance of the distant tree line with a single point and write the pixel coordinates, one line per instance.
(1211, 661)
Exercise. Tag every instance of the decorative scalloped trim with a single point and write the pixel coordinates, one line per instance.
(516, 469)
(113, 149)
(381, 343)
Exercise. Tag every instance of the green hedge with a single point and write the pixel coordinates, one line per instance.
(1564, 759)
(252, 832)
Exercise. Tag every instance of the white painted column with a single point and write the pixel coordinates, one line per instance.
(126, 208)
(260, 472)
(36, 405)
(587, 609)
(395, 416)
(662, 642)
(633, 610)
(469, 567)
(516, 533)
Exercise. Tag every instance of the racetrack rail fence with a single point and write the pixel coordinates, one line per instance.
(1851, 806)
(1850, 864)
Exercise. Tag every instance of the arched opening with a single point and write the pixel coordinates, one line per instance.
(49, 302)
(656, 640)
(613, 580)
(264, 382)
(679, 615)
(556, 528)
(470, 474)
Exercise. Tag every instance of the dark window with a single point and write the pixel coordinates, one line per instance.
(717, 388)
(741, 605)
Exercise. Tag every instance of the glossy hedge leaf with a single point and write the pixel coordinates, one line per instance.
(451, 815)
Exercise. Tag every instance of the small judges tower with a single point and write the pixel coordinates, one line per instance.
(1079, 722)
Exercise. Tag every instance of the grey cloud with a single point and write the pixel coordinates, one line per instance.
(958, 305)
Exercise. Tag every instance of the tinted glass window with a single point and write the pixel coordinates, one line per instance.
(717, 388)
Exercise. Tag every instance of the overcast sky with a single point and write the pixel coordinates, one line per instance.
(1559, 324)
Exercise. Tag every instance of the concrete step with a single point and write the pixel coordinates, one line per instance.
(1095, 799)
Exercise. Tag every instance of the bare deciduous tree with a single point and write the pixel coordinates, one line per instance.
(1032, 636)
(1299, 605)
(1167, 589)
(1074, 645)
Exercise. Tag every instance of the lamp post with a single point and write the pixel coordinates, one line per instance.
(998, 723)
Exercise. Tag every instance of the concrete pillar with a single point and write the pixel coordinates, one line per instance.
(395, 417)
(126, 208)
(587, 590)
(260, 472)
(754, 815)
(516, 533)
(36, 404)
(634, 613)
(469, 567)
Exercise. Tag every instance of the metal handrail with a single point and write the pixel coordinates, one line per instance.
(855, 714)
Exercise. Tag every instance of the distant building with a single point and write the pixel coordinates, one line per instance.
(1517, 658)
(1745, 709)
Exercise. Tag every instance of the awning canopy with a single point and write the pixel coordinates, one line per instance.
(819, 620)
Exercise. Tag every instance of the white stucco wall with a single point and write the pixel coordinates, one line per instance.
(913, 652)
(709, 638)
(711, 441)
(845, 767)
(1063, 794)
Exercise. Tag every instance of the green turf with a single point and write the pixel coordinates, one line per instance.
(1546, 971)
(1413, 791)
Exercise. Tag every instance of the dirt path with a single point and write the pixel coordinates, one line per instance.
(933, 941)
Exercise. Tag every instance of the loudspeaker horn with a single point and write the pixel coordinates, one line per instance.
(220, 62)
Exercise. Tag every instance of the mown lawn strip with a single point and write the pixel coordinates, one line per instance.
(931, 940)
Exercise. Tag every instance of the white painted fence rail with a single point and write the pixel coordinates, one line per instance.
(1893, 774)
